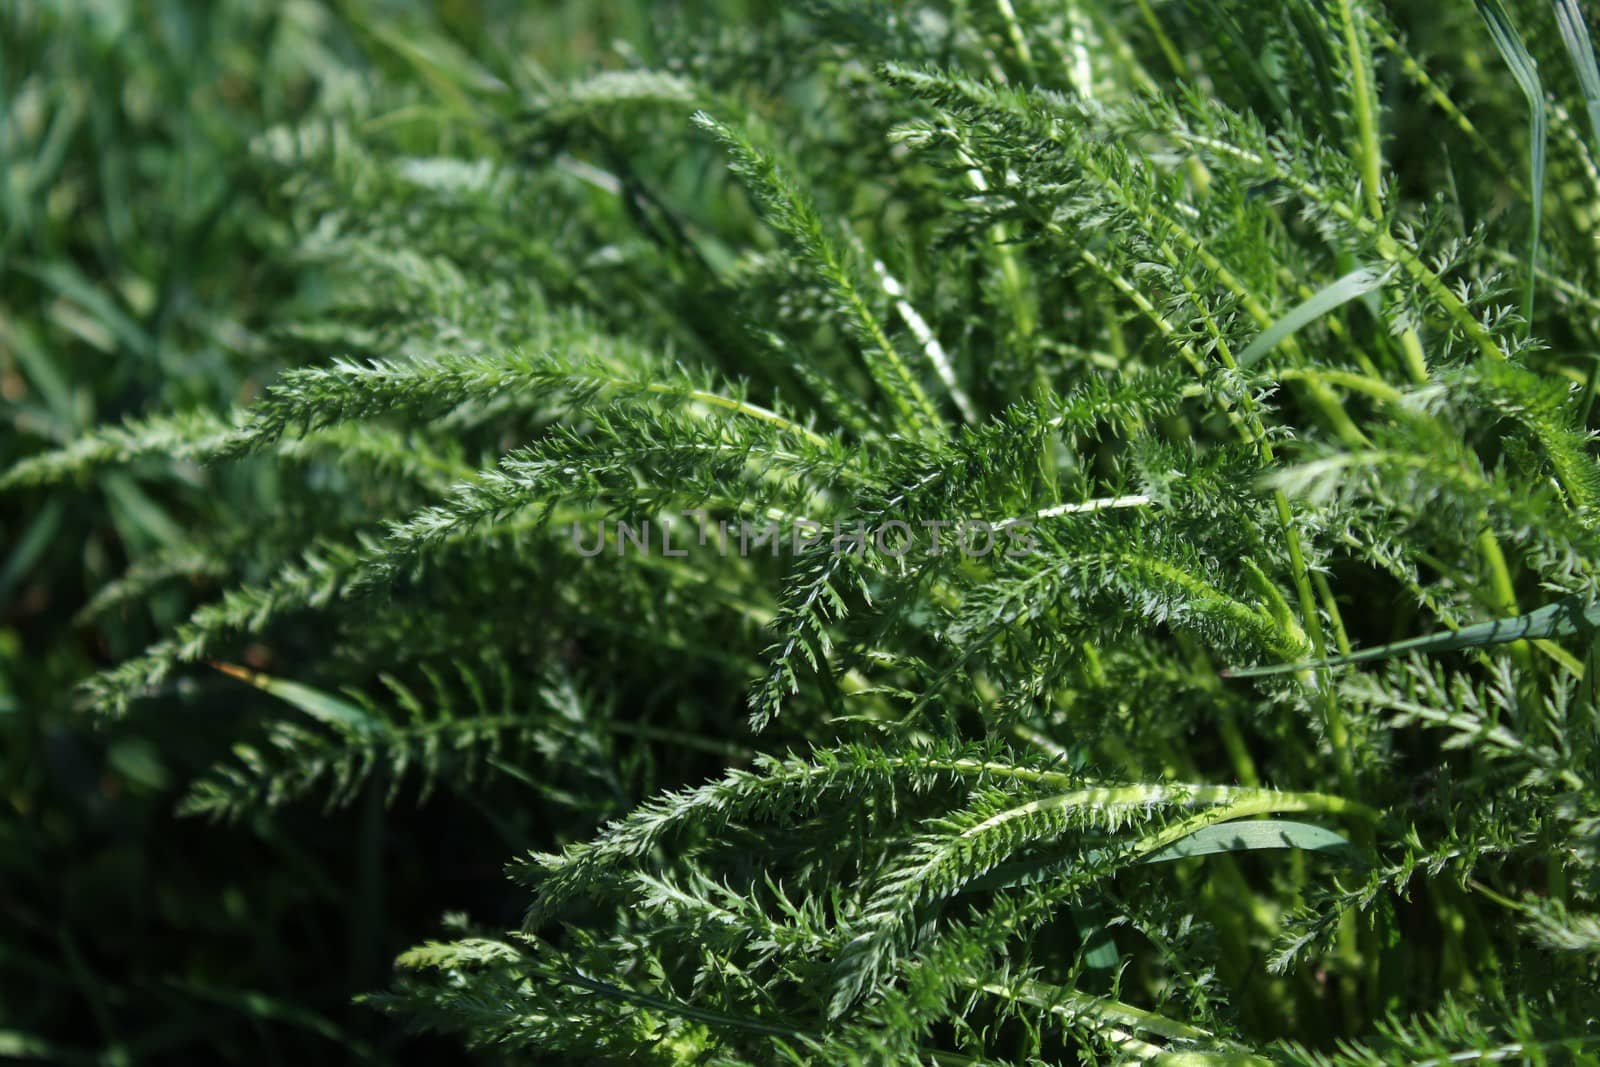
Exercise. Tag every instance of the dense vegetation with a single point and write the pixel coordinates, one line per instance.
(851, 506)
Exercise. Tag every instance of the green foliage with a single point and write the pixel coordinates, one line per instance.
(1195, 316)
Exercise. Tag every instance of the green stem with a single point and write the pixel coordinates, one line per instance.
(1366, 104)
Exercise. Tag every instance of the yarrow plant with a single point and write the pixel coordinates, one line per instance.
(1273, 327)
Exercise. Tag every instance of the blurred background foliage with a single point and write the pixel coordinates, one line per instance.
(141, 269)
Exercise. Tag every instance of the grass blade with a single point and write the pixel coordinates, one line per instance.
(1250, 836)
(1575, 35)
(1525, 71)
(1334, 295)
(1564, 618)
(324, 707)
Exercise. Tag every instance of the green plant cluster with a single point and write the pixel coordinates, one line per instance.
(1272, 325)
